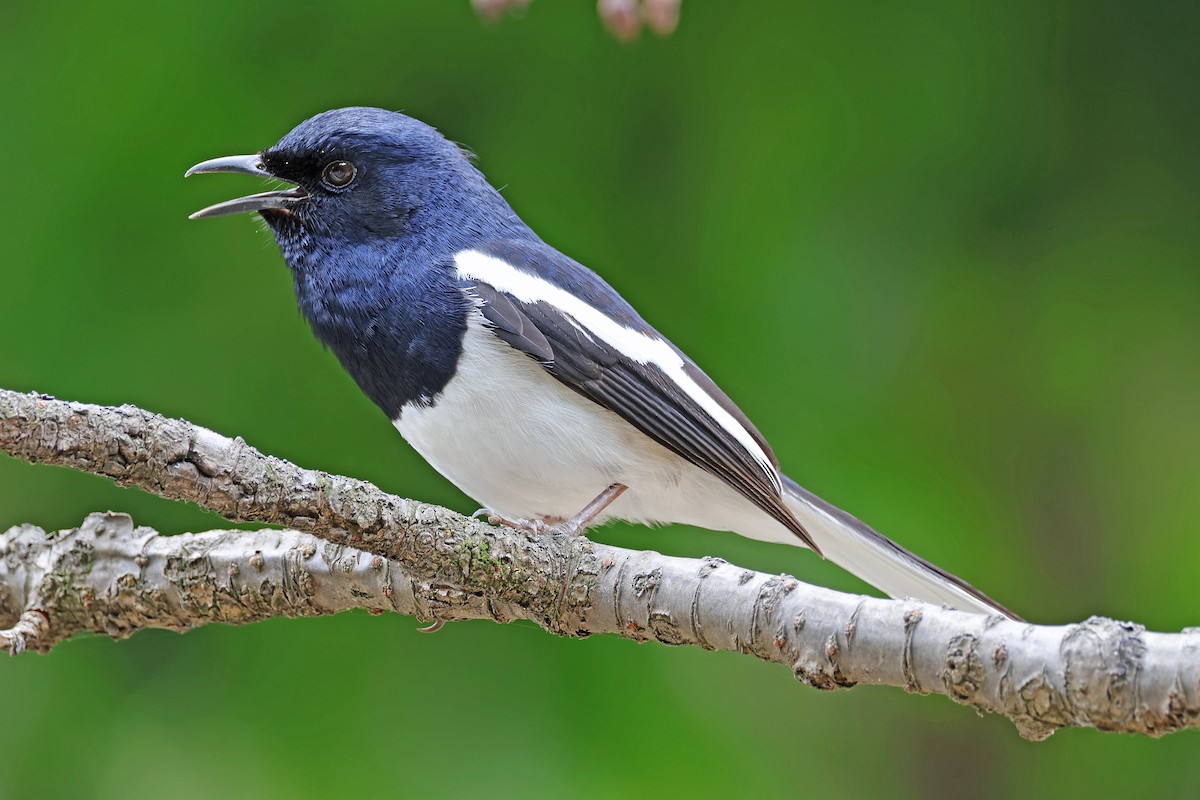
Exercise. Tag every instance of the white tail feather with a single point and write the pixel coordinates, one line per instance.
(862, 551)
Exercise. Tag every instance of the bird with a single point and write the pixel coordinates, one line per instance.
(518, 373)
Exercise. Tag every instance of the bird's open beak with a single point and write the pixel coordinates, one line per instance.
(248, 165)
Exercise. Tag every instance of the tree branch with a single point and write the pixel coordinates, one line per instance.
(364, 548)
(623, 18)
(112, 578)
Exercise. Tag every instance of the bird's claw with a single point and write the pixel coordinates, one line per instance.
(537, 527)
(433, 627)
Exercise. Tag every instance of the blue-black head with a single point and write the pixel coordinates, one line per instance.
(379, 205)
(367, 175)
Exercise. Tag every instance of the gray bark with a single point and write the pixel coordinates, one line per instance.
(353, 546)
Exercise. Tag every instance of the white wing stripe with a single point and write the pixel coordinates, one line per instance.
(637, 346)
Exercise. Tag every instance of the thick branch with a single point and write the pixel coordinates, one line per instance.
(1114, 676)
(112, 578)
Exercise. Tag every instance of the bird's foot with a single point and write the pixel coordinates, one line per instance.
(552, 524)
(537, 526)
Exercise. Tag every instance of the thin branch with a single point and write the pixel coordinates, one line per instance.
(1100, 673)
(623, 18)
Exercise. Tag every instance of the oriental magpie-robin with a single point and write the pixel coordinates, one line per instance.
(518, 373)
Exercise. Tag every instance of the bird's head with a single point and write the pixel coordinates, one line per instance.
(357, 174)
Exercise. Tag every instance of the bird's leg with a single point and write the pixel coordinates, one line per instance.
(576, 524)
(572, 526)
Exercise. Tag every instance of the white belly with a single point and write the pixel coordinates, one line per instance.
(521, 443)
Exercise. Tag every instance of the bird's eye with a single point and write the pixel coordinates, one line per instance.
(338, 174)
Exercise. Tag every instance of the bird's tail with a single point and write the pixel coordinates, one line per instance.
(860, 549)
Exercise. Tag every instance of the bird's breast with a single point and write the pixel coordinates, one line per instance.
(397, 332)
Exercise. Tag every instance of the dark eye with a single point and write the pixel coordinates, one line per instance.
(338, 174)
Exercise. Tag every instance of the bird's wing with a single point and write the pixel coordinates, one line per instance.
(592, 341)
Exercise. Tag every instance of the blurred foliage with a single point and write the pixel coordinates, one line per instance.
(945, 255)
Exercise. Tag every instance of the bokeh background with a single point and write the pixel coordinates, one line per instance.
(944, 254)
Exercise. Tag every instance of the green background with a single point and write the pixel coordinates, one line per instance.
(945, 255)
